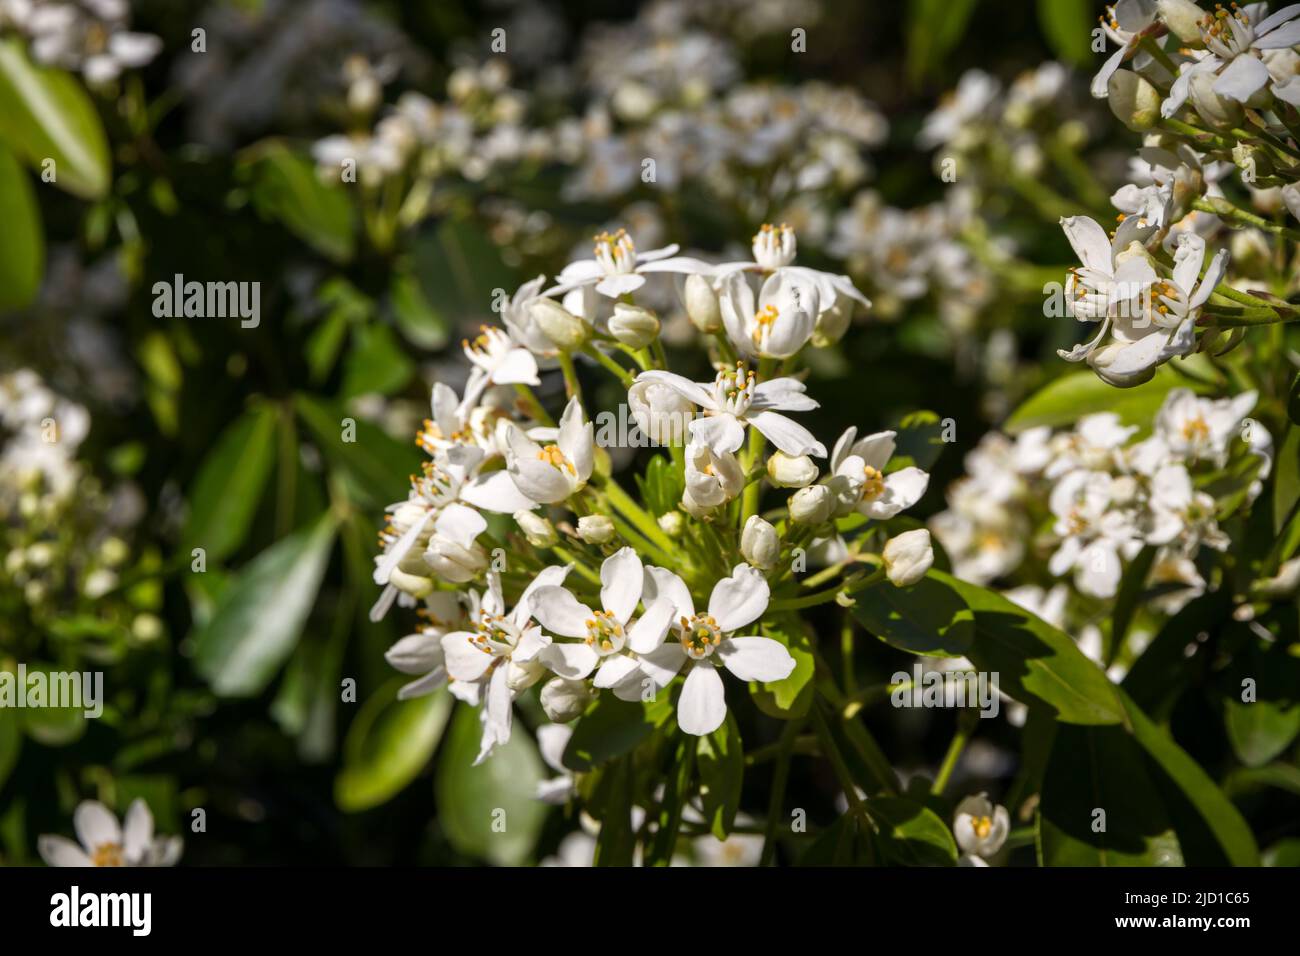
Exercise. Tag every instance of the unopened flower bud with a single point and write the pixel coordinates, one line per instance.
(759, 543)
(832, 324)
(907, 557)
(1183, 18)
(1217, 110)
(672, 523)
(565, 330)
(1134, 101)
(522, 675)
(565, 700)
(595, 529)
(539, 532)
(455, 563)
(789, 472)
(811, 505)
(632, 325)
(415, 585)
(702, 304)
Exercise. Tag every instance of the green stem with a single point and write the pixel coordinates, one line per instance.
(567, 556)
(965, 725)
(572, 388)
(780, 777)
(622, 374)
(634, 513)
(1226, 210)
(838, 763)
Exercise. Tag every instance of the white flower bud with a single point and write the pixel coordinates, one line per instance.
(413, 584)
(702, 304)
(811, 505)
(1183, 18)
(1218, 111)
(565, 700)
(523, 675)
(672, 523)
(453, 562)
(759, 543)
(595, 529)
(564, 329)
(907, 557)
(632, 325)
(662, 413)
(788, 472)
(539, 532)
(1133, 100)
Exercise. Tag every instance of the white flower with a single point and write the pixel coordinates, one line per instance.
(497, 360)
(105, 843)
(596, 529)
(907, 557)
(1094, 533)
(564, 700)
(518, 319)
(421, 653)
(1180, 514)
(1201, 429)
(712, 478)
(1235, 43)
(734, 400)
(1094, 445)
(969, 104)
(1129, 19)
(1167, 326)
(812, 505)
(451, 551)
(618, 269)
(553, 473)
(622, 653)
(497, 657)
(980, 828)
(704, 640)
(859, 480)
(779, 323)
(661, 412)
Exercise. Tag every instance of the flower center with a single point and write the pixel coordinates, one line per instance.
(873, 483)
(495, 635)
(108, 854)
(699, 636)
(487, 347)
(1196, 430)
(1228, 34)
(774, 246)
(616, 253)
(552, 455)
(604, 633)
(734, 389)
(764, 319)
(982, 826)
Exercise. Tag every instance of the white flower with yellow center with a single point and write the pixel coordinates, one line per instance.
(106, 843)
(859, 480)
(775, 325)
(735, 399)
(703, 641)
(1235, 41)
(553, 472)
(623, 653)
(1095, 530)
(774, 247)
(616, 268)
(981, 828)
(1201, 429)
(498, 657)
(712, 478)
(421, 653)
(498, 360)
(1124, 24)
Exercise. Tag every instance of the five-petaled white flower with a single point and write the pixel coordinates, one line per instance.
(734, 399)
(702, 641)
(779, 323)
(106, 843)
(617, 268)
(552, 473)
(981, 827)
(499, 656)
(498, 360)
(859, 480)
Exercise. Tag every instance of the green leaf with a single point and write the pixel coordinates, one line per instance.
(1100, 805)
(22, 240)
(662, 486)
(45, 114)
(612, 728)
(229, 484)
(377, 363)
(460, 271)
(919, 440)
(909, 834)
(934, 27)
(285, 187)
(260, 616)
(846, 842)
(1036, 664)
(927, 618)
(1065, 400)
(616, 841)
(791, 697)
(1265, 727)
(1293, 401)
(490, 811)
(418, 320)
(720, 764)
(51, 726)
(1068, 24)
(378, 465)
(389, 743)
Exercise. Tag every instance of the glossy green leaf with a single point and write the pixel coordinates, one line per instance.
(378, 465)
(225, 493)
(489, 812)
(376, 364)
(50, 726)
(1065, 400)
(285, 186)
(720, 766)
(389, 742)
(1262, 728)
(910, 834)
(927, 618)
(1068, 26)
(259, 617)
(612, 728)
(919, 441)
(22, 240)
(791, 697)
(45, 114)
(934, 28)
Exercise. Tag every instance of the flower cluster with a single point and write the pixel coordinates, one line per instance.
(639, 595)
(89, 36)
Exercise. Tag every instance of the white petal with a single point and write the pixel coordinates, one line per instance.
(621, 579)
(570, 661)
(786, 434)
(614, 670)
(756, 658)
(691, 391)
(903, 489)
(496, 492)
(465, 661)
(723, 433)
(663, 663)
(1089, 241)
(703, 705)
(740, 599)
(60, 851)
(459, 524)
(95, 825)
(137, 829)
(398, 550)
(495, 715)
(662, 583)
(560, 612)
(649, 630)
(1244, 77)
